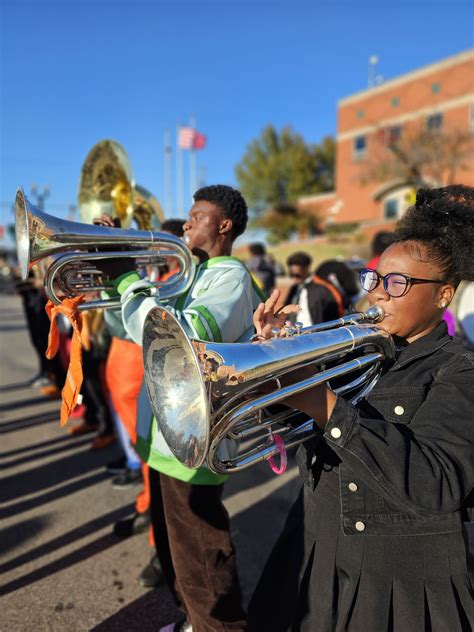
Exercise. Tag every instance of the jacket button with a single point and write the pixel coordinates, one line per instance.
(335, 433)
(359, 525)
(399, 410)
(353, 487)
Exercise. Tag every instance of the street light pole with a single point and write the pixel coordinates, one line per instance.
(40, 196)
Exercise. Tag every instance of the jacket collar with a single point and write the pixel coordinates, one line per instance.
(424, 346)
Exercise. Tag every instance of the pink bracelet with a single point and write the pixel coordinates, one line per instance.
(280, 446)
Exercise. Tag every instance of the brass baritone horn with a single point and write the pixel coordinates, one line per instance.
(75, 246)
(203, 393)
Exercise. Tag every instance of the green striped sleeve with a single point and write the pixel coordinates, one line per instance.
(210, 321)
(204, 323)
(198, 326)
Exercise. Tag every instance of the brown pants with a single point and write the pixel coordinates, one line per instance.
(194, 547)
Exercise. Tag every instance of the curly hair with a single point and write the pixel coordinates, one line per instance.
(230, 201)
(257, 249)
(442, 221)
(173, 226)
(299, 259)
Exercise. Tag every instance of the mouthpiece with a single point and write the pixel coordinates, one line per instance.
(375, 313)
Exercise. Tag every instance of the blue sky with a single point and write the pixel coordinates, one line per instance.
(76, 72)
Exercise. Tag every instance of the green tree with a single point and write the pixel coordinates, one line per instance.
(278, 168)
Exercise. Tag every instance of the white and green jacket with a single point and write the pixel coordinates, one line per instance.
(218, 307)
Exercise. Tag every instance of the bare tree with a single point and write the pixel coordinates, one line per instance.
(418, 156)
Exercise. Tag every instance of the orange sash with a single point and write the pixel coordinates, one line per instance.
(334, 291)
(73, 383)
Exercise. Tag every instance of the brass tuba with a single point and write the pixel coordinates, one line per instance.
(203, 392)
(74, 247)
(147, 211)
(107, 186)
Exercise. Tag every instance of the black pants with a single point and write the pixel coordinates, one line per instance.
(191, 529)
(97, 408)
(34, 304)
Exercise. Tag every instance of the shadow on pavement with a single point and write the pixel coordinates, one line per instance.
(19, 533)
(84, 552)
(23, 403)
(12, 313)
(147, 614)
(73, 444)
(97, 546)
(254, 534)
(51, 474)
(14, 327)
(27, 422)
(61, 492)
(14, 387)
(36, 446)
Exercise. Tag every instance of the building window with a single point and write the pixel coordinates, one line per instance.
(471, 117)
(394, 134)
(360, 114)
(390, 209)
(434, 122)
(395, 102)
(435, 88)
(359, 147)
(389, 135)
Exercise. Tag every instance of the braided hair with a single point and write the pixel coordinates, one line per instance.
(442, 222)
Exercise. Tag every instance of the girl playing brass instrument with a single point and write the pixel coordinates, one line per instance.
(375, 540)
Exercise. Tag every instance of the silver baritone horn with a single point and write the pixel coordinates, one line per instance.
(203, 393)
(73, 247)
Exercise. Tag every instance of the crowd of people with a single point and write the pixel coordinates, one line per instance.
(375, 540)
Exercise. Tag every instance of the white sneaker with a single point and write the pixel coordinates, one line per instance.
(39, 382)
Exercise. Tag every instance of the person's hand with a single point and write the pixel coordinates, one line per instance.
(107, 220)
(112, 268)
(265, 317)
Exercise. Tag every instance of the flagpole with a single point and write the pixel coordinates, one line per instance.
(168, 157)
(202, 176)
(179, 177)
(192, 161)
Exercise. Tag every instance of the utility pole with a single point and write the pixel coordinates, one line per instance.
(179, 176)
(202, 176)
(192, 161)
(40, 196)
(168, 175)
(374, 79)
(71, 212)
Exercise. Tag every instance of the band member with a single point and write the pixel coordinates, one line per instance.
(319, 300)
(124, 375)
(190, 521)
(375, 540)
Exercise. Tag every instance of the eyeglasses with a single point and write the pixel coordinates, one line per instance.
(395, 284)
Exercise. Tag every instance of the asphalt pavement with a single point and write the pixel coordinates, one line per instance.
(61, 567)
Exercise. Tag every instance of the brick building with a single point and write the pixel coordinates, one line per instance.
(438, 98)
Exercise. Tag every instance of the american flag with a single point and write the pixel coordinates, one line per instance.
(186, 137)
(199, 141)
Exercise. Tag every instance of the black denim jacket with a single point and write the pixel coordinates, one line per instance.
(406, 451)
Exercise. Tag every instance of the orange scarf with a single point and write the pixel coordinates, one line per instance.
(73, 383)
